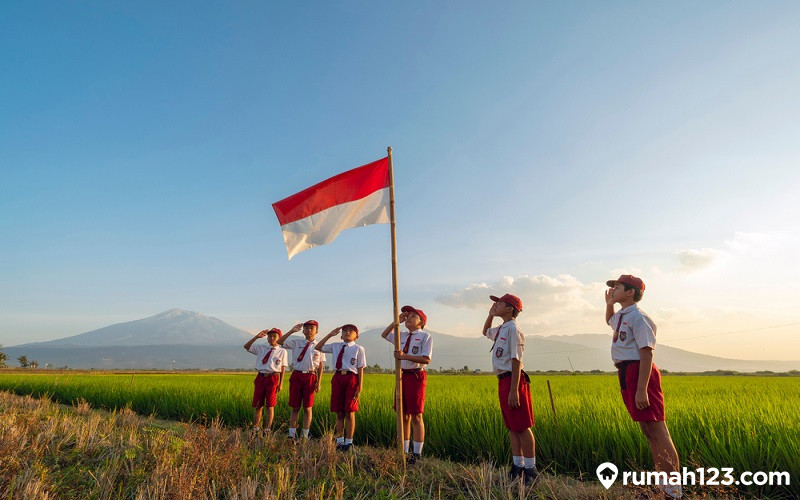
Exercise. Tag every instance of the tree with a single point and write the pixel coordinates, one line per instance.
(23, 361)
(3, 357)
(34, 364)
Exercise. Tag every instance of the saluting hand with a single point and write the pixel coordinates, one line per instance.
(296, 328)
(609, 300)
(261, 334)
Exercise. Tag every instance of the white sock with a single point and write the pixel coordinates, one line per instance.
(292, 431)
(305, 432)
(530, 462)
(339, 440)
(348, 441)
(518, 461)
(418, 447)
(405, 445)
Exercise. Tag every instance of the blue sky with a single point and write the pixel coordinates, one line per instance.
(539, 149)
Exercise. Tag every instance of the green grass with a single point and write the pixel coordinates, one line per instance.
(748, 423)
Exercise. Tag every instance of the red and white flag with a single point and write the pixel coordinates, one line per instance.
(316, 215)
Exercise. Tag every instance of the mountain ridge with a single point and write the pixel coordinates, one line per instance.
(180, 339)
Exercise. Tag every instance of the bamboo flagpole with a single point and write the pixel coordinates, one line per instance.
(398, 375)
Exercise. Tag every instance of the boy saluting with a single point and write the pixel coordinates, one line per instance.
(639, 379)
(513, 384)
(347, 382)
(270, 364)
(416, 348)
(307, 364)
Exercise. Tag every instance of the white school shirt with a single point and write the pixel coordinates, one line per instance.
(421, 345)
(276, 361)
(354, 356)
(509, 343)
(633, 330)
(310, 361)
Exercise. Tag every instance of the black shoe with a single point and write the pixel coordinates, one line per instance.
(339, 446)
(530, 475)
(515, 472)
(412, 458)
(347, 447)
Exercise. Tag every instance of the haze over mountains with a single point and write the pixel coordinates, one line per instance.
(178, 339)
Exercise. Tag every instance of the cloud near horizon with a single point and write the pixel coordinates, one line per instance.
(548, 302)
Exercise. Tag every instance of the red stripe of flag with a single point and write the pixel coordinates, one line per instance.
(348, 186)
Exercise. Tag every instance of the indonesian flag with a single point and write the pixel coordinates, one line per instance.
(316, 215)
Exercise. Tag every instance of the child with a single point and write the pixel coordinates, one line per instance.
(639, 378)
(271, 364)
(513, 385)
(307, 364)
(416, 348)
(347, 382)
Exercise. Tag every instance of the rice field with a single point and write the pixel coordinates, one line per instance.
(748, 423)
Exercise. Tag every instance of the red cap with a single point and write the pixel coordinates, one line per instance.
(275, 330)
(628, 279)
(311, 322)
(419, 312)
(509, 299)
(352, 327)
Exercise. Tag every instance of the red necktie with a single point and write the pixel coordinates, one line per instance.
(495, 338)
(266, 358)
(303, 352)
(339, 359)
(616, 330)
(408, 342)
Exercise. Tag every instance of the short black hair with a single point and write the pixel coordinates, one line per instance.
(514, 310)
(637, 294)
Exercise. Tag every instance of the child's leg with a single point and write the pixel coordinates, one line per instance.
(339, 430)
(516, 446)
(406, 431)
(665, 456)
(349, 419)
(294, 417)
(257, 416)
(419, 427)
(419, 432)
(307, 412)
(270, 417)
(526, 443)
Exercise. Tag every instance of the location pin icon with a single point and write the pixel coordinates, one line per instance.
(607, 473)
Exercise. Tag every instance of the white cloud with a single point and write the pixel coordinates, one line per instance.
(694, 260)
(550, 304)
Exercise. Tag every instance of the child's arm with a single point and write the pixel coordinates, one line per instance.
(513, 393)
(423, 360)
(645, 365)
(360, 382)
(280, 382)
(319, 376)
(390, 328)
(488, 323)
(259, 335)
(328, 336)
(609, 306)
(295, 328)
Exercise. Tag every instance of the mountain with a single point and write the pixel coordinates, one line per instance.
(173, 327)
(183, 339)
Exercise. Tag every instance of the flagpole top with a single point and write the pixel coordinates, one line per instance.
(389, 150)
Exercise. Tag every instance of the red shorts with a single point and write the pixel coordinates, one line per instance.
(520, 418)
(265, 392)
(343, 392)
(301, 389)
(413, 392)
(628, 380)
